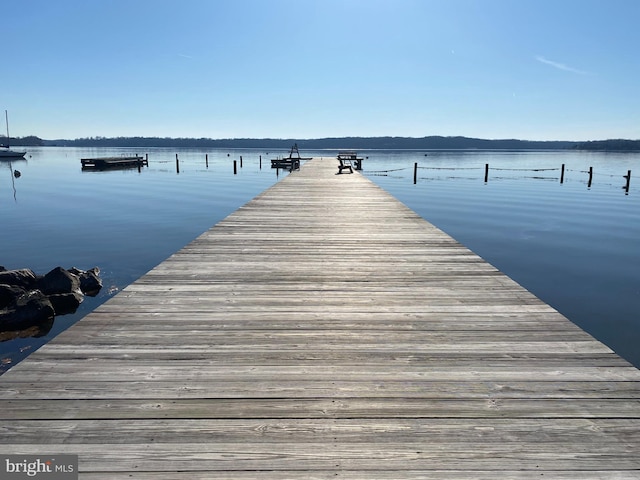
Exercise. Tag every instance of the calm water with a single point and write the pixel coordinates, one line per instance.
(574, 245)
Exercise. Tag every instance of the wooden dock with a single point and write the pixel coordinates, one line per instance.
(105, 163)
(326, 331)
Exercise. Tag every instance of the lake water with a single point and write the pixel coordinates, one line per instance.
(574, 245)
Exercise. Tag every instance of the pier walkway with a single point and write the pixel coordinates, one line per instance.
(326, 331)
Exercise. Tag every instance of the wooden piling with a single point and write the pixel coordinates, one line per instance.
(628, 178)
(415, 173)
(177, 164)
(590, 177)
(206, 159)
(235, 167)
(562, 174)
(486, 172)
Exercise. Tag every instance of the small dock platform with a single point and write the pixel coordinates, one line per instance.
(345, 338)
(292, 162)
(104, 163)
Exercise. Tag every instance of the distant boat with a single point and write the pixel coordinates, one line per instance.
(5, 151)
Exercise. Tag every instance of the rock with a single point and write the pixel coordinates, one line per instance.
(20, 278)
(64, 303)
(90, 283)
(27, 299)
(59, 280)
(9, 294)
(31, 308)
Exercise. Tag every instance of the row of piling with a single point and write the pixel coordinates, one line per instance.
(562, 169)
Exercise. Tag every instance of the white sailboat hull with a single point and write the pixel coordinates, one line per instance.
(11, 154)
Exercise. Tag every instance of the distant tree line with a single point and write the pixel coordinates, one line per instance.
(30, 141)
(336, 143)
(609, 145)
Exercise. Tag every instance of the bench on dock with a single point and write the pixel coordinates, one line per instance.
(344, 164)
(350, 158)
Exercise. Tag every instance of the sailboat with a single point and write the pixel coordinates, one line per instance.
(5, 151)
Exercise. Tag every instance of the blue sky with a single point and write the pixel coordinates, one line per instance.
(528, 69)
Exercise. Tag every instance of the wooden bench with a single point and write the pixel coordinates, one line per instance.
(349, 159)
(344, 164)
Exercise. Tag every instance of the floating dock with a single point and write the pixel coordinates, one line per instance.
(324, 330)
(105, 163)
(292, 162)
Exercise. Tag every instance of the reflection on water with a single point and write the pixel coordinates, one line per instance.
(574, 244)
(35, 331)
(13, 173)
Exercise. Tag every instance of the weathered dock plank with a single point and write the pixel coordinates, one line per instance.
(324, 330)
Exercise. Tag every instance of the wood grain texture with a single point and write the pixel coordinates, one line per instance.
(324, 330)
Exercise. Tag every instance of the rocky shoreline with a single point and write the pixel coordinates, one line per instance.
(27, 299)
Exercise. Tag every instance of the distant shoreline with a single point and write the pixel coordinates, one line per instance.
(336, 143)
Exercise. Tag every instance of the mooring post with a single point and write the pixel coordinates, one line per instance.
(206, 159)
(486, 172)
(177, 164)
(628, 177)
(590, 176)
(562, 174)
(415, 173)
(260, 162)
(235, 167)
(240, 161)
